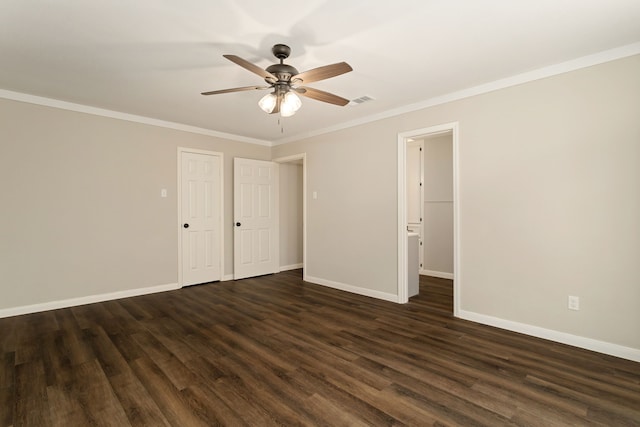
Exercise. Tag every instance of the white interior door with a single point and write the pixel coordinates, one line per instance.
(415, 199)
(255, 235)
(201, 218)
(414, 182)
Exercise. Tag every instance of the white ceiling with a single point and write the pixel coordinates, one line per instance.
(152, 58)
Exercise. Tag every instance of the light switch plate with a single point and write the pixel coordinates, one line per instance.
(573, 303)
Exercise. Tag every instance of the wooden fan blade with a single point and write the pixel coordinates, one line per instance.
(251, 67)
(235, 89)
(323, 96)
(322, 73)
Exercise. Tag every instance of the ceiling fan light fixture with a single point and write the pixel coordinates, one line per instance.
(283, 79)
(268, 102)
(290, 104)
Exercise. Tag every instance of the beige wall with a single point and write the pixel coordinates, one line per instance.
(290, 214)
(349, 240)
(81, 208)
(549, 201)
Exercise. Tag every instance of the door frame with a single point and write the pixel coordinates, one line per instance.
(288, 159)
(403, 290)
(179, 200)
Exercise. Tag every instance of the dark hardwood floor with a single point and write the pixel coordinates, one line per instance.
(277, 351)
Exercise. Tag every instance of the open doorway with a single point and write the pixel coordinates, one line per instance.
(434, 204)
(292, 212)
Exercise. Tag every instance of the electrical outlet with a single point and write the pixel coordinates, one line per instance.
(574, 303)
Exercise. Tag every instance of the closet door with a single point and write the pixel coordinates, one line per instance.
(255, 231)
(201, 218)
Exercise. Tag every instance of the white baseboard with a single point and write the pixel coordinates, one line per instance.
(227, 277)
(440, 274)
(353, 289)
(72, 302)
(291, 267)
(549, 334)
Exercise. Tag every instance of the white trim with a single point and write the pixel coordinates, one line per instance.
(353, 289)
(540, 73)
(276, 211)
(439, 274)
(79, 108)
(291, 158)
(403, 289)
(227, 277)
(179, 201)
(303, 157)
(403, 281)
(549, 334)
(291, 267)
(457, 260)
(72, 302)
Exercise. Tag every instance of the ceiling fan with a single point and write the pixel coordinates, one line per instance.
(286, 81)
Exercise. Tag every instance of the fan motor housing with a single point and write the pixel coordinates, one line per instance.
(283, 72)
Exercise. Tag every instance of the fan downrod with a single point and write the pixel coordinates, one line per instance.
(282, 71)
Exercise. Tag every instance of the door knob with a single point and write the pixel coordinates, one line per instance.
(238, 224)
(186, 226)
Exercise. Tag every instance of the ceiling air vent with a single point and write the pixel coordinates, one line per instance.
(361, 100)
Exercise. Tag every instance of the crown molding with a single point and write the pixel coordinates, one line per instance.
(70, 106)
(540, 73)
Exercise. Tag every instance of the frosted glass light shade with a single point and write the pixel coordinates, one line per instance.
(290, 104)
(268, 102)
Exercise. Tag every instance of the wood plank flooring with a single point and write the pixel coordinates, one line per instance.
(275, 350)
